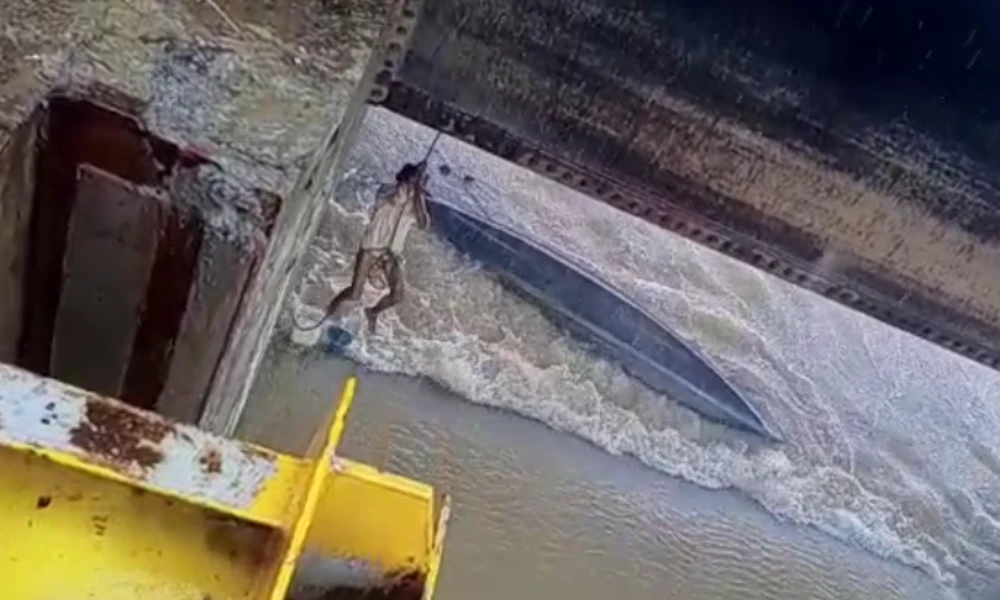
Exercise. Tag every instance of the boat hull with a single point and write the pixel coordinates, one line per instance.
(595, 313)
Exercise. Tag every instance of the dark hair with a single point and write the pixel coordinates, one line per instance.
(410, 172)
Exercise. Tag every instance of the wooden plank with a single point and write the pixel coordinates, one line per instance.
(110, 249)
(224, 264)
(167, 296)
(17, 174)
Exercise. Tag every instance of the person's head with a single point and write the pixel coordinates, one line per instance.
(410, 173)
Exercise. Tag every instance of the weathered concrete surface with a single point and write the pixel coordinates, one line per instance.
(849, 147)
(259, 87)
(110, 248)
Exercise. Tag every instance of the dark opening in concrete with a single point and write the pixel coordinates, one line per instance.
(123, 257)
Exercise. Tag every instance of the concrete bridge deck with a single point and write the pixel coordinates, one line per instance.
(849, 147)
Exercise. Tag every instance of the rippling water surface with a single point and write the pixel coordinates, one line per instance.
(538, 514)
(892, 443)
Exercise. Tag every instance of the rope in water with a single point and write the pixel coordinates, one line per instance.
(308, 328)
(430, 149)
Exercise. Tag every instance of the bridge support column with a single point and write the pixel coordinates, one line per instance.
(256, 97)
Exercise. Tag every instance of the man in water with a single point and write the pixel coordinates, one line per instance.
(397, 208)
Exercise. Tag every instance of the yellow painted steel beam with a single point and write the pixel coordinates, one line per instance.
(305, 505)
(98, 499)
(437, 550)
(71, 534)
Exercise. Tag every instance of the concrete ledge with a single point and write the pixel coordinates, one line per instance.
(268, 91)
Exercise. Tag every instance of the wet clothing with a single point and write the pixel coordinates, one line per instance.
(381, 268)
(392, 220)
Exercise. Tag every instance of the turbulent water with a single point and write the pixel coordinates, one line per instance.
(892, 443)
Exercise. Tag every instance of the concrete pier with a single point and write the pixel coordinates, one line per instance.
(162, 164)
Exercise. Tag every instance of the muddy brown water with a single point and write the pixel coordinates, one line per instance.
(541, 514)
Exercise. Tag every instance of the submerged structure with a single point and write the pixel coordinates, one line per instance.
(599, 315)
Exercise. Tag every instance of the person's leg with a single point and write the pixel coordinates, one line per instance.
(362, 265)
(394, 275)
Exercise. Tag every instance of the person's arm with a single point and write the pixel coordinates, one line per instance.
(382, 195)
(420, 206)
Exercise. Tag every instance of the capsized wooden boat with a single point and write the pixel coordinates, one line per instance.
(593, 311)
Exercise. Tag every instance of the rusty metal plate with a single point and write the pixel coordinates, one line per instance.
(136, 444)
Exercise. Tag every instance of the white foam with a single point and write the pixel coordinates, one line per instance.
(307, 337)
(489, 347)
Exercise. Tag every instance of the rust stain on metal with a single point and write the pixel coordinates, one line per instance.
(407, 585)
(119, 436)
(211, 461)
(100, 523)
(254, 453)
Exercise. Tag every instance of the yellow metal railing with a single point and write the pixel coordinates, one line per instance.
(99, 498)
